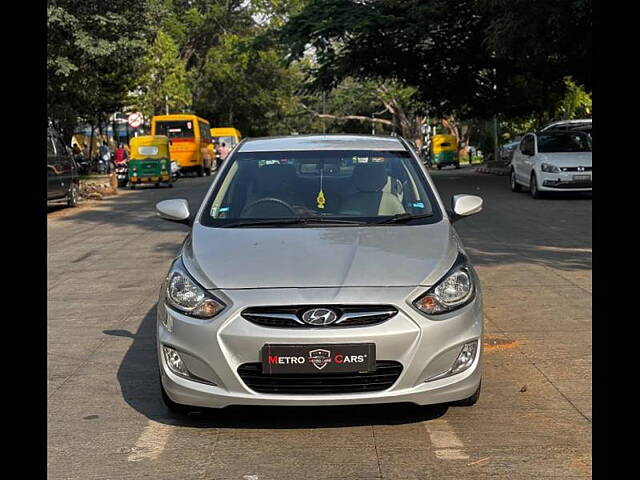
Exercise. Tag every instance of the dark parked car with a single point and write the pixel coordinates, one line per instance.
(62, 172)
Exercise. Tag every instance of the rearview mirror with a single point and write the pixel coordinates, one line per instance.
(175, 210)
(465, 205)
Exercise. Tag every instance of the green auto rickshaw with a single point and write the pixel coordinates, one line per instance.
(444, 151)
(150, 161)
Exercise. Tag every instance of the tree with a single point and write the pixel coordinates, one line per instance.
(164, 83)
(369, 102)
(93, 50)
(246, 84)
(471, 57)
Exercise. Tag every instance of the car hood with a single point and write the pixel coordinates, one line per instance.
(568, 159)
(400, 255)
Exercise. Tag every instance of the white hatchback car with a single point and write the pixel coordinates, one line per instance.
(552, 162)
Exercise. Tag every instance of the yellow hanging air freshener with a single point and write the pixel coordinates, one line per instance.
(320, 200)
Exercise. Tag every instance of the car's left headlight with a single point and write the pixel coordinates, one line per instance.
(454, 290)
(185, 295)
(548, 168)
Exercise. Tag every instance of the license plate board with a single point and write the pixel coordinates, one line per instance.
(318, 358)
(582, 177)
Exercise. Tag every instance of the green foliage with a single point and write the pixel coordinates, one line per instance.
(452, 51)
(245, 86)
(93, 50)
(164, 82)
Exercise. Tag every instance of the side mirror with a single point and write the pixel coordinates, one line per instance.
(175, 210)
(465, 205)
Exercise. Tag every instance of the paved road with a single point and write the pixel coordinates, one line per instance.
(106, 419)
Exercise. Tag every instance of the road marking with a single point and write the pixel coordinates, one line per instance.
(444, 439)
(151, 442)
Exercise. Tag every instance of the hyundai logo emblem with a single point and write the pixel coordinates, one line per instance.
(319, 316)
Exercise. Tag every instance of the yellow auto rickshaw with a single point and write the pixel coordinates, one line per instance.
(150, 161)
(444, 151)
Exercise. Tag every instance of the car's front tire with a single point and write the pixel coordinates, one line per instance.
(515, 186)
(533, 187)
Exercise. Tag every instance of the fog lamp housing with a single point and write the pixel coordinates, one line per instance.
(465, 358)
(174, 361)
(463, 361)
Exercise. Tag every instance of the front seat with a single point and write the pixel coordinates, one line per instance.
(370, 200)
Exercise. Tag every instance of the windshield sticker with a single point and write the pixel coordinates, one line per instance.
(377, 159)
(418, 205)
(361, 159)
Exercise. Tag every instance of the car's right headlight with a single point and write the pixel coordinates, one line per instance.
(186, 296)
(454, 290)
(548, 168)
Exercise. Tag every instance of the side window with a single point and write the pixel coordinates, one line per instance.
(204, 132)
(526, 146)
(50, 150)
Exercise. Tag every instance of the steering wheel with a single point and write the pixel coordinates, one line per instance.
(267, 200)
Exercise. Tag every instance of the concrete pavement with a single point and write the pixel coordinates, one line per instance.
(107, 421)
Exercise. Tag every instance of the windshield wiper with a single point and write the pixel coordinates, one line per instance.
(291, 221)
(404, 217)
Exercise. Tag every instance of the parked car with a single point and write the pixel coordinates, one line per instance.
(552, 161)
(331, 275)
(62, 172)
(581, 125)
(506, 150)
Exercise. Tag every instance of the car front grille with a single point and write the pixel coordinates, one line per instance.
(291, 316)
(384, 376)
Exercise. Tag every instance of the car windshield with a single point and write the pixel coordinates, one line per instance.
(229, 141)
(175, 129)
(563, 142)
(339, 186)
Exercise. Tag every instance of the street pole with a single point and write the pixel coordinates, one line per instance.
(166, 105)
(324, 129)
(495, 138)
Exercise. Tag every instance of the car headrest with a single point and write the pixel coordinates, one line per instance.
(370, 177)
(275, 178)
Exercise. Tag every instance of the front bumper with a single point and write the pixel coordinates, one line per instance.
(565, 181)
(213, 349)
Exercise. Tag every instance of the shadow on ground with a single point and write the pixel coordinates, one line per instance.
(140, 386)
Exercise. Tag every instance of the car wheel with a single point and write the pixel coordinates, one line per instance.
(515, 186)
(72, 196)
(208, 171)
(457, 165)
(533, 187)
(438, 166)
(470, 401)
(132, 186)
(201, 171)
(173, 406)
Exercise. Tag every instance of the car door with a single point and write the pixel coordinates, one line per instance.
(523, 159)
(64, 163)
(54, 173)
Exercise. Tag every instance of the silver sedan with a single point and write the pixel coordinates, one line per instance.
(320, 270)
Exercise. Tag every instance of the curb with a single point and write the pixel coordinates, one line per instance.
(493, 170)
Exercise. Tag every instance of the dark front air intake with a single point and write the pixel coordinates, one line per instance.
(384, 376)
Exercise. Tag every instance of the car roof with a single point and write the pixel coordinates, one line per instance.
(568, 123)
(321, 142)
